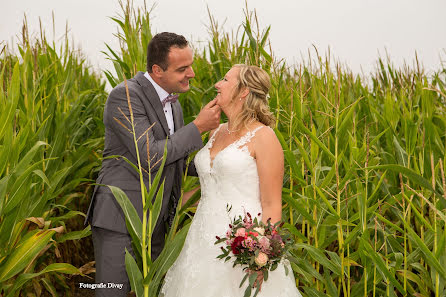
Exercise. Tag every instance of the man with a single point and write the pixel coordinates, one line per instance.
(169, 60)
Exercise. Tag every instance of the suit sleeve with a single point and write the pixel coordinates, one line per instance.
(191, 170)
(117, 116)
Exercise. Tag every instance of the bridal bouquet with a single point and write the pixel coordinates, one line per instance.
(255, 246)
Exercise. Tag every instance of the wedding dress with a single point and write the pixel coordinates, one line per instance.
(230, 179)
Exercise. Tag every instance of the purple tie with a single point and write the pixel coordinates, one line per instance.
(170, 98)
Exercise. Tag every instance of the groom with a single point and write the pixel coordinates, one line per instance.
(169, 60)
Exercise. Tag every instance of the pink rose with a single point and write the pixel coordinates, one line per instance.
(240, 232)
(261, 259)
(264, 243)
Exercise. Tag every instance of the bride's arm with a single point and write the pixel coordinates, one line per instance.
(188, 195)
(269, 156)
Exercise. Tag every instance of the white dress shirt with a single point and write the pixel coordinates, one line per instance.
(162, 94)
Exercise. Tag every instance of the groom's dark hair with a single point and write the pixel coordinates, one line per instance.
(159, 48)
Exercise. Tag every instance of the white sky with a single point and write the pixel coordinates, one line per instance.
(356, 31)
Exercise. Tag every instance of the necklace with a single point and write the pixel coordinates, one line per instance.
(231, 131)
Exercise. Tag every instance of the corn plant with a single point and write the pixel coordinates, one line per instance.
(49, 132)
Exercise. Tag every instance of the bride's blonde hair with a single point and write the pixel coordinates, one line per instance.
(255, 106)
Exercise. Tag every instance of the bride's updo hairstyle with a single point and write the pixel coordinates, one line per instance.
(255, 106)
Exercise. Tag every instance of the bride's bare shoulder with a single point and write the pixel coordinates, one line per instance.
(264, 133)
(266, 140)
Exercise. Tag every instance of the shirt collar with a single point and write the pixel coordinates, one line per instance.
(160, 91)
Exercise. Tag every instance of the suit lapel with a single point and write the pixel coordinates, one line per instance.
(153, 99)
(177, 115)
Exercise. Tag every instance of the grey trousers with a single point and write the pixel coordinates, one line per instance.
(109, 254)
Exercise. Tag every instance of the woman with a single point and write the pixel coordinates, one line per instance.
(241, 166)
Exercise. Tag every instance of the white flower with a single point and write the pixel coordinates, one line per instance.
(260, 230)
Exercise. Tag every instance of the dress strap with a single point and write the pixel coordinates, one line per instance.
(247, 137)
(211, 140)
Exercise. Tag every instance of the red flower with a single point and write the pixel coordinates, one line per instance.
(253, 233)
(236, 245)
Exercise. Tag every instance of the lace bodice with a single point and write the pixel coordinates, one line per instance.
(230, 178)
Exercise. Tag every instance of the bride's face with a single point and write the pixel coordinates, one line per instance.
(226, 88)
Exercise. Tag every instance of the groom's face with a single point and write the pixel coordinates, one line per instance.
(175, 79)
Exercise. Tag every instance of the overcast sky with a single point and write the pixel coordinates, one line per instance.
(356, 31)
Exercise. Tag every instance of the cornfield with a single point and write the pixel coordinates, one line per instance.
(50, 135)
(364, 193)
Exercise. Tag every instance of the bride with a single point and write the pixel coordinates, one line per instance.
(241, 166)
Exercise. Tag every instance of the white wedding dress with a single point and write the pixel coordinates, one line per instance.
(230, 179)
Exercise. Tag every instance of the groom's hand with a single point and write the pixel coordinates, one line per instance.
(209, 117)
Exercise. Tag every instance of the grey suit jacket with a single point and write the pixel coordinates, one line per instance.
(104, 211)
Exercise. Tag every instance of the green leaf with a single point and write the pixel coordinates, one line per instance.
(134, 274)
(9, 110)
(312, 292)
(27, 159)
(315, 139)
(25, 253)
(347, 117)
(319, 257)
(56, 267)
(304, 155)
(167, 257)
(154, 184)
(329, 285)
(49, 286)
(68, 215)
(75, 235)
(132, 219)
(428, 255)
(296, 205)
(379, 262)
(157, 207)
(412, 175)
(293, 230)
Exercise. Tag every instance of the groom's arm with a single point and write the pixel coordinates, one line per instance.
(118, 116)
(189, 168)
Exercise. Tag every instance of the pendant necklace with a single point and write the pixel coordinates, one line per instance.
(230, 131)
